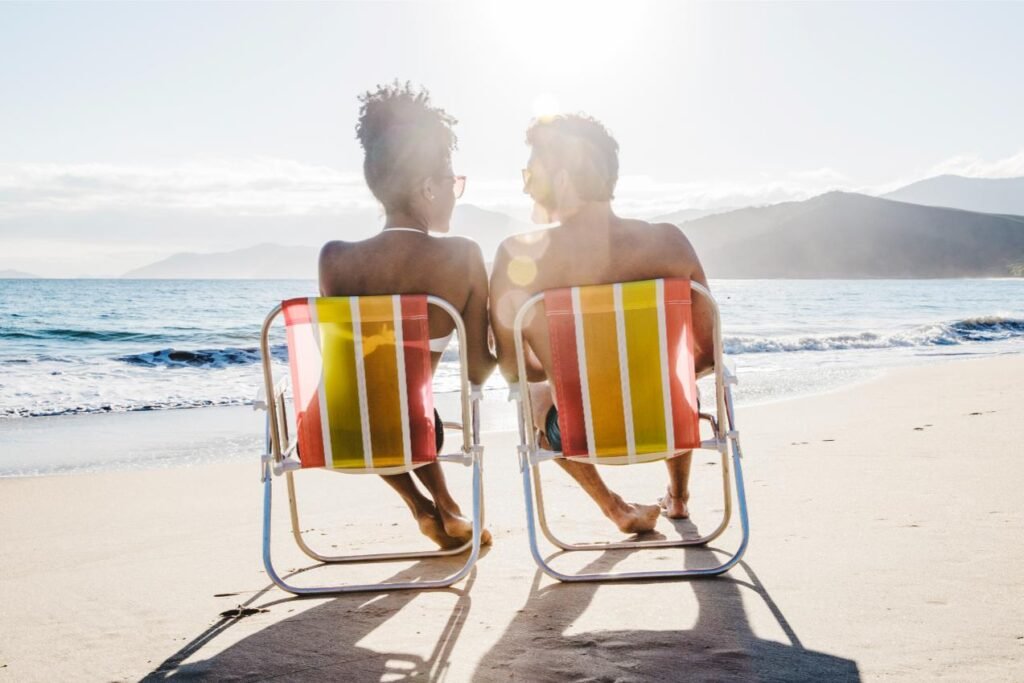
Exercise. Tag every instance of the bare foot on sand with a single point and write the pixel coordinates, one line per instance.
(457, 526)
(632, 518)
(432, 527)
(675, 506)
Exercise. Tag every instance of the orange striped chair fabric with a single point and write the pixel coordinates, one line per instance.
(624, 370)
(361, 382)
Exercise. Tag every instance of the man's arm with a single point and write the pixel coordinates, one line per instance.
(506, 298)
(687, 264)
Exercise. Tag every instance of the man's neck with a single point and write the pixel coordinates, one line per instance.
(591, 216)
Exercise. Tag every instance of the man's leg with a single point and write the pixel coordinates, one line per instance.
(454, 523)
(630, 518)
(423, 509)
(678, 494)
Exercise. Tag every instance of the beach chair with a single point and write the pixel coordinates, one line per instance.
(624, 379)
(360, 381)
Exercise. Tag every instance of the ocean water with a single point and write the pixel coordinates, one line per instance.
(98, 346)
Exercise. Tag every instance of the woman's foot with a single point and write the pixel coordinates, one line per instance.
(457, 526)
(432, 527)
(675, 506)
(632, 518)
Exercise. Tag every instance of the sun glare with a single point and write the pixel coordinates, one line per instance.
(545, 105)
(568, 33)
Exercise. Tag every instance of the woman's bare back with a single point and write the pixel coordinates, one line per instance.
(406, 262)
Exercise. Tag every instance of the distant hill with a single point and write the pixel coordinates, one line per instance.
(16, 275)
(988, 195)
(845, 235)
(488, 228)
(684, 215)
(274, 261)
(270, 261)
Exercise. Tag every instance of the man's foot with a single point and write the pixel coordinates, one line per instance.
(632, 518)
(432, 527)
(457, 526)
(675, 506)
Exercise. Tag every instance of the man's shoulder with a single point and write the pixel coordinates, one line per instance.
(531, 243)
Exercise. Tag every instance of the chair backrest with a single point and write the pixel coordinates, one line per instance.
(361, 382)
(624, 370)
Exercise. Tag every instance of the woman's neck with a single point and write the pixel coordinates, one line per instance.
(403, 219)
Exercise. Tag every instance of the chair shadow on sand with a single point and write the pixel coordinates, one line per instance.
(320, 643)
(720, 647)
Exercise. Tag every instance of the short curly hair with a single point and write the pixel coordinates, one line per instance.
(582, 146)
(405, 140)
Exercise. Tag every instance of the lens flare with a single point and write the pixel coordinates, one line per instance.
(522, 270)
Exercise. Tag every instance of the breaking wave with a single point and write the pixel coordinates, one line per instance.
(969, 330)
(203, 358)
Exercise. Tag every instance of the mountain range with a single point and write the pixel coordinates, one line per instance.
(987, 195)
(846, 235)
(837, 234)
(16, 275)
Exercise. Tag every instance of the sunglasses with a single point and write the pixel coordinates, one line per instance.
(458, 184)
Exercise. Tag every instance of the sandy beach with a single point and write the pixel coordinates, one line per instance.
(886, 545)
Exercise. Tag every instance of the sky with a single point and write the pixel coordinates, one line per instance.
(130, 131)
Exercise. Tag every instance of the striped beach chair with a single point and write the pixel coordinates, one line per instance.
(623, 366)
(362, 402)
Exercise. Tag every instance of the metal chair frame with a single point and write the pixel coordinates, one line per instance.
(725, 441)
(280, 458)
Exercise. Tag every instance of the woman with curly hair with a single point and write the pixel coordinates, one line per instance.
(408, 146)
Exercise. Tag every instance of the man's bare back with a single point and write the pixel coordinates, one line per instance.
(588, 250)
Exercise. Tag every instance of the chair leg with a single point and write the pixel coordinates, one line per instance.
(357, 588)
(366, 557)
(530, 474)
(621, 545)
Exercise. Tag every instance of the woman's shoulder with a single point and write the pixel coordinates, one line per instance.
(334, 247)
(463, 245)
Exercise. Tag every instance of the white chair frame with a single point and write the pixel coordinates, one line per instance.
(280, 459)
(725, 441)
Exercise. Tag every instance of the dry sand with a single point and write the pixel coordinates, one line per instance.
(886, 544)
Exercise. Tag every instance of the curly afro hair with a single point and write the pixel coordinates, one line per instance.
(405, 139)
(581, 145)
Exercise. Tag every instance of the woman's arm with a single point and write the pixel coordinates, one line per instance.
(481, 361)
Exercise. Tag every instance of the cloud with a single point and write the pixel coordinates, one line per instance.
(975, 167)
(277, 187)
(257, 186)
(646, 196)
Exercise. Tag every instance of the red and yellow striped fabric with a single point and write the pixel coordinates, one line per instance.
(361, 382)
(624, 373)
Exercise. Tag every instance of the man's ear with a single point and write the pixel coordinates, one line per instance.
(564, 188)
(427, 189)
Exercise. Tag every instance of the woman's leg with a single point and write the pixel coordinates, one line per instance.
(454, 523)
(423, 510)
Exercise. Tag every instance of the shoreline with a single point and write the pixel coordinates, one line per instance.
(151, 440)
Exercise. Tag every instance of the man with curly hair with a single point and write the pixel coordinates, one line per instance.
(571, 176)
